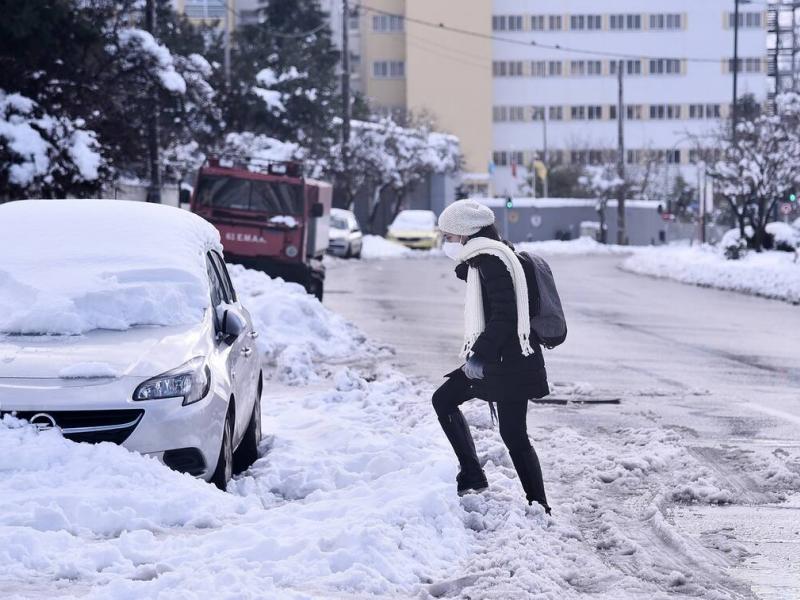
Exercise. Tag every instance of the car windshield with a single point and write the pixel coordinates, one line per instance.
(339, 223)
(415, 219)
(273, 197)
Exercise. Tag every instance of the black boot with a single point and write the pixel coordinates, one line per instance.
(471, 476)
(530, 476)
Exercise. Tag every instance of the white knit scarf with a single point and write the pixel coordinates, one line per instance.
(474, 322)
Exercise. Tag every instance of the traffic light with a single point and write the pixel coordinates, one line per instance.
(792, 197)
(509, 202)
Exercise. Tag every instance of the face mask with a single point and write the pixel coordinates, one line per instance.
(453, 249)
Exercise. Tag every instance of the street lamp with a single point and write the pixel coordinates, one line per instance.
(735, 106)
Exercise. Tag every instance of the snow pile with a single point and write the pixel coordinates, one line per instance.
(580, 246)
(296, 332)
(784, 235)
(71, 266)
(768, 274)
(353, 497)
(376, 246)
(258, 148)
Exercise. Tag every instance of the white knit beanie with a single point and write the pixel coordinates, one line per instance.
(465, 217)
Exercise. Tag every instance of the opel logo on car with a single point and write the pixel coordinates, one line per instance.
(42, 421)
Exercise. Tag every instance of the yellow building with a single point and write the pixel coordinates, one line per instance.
(403, 63)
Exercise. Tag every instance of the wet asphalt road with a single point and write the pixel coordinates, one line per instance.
(721, 366)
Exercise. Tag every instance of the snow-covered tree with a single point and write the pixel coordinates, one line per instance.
(42, 155)
(387, 156)
(761, 166)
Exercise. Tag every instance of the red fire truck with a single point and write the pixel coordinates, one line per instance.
(269, 216)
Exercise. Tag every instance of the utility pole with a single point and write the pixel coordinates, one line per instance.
(346, 103)
(735, 104)
(153, 134)
(229, 8)
(544, 154)
(622, 188)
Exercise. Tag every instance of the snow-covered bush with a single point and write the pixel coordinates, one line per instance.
(44, 155)
(733, 245)
(784, 237)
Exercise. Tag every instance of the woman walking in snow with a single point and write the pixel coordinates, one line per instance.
(504, 362)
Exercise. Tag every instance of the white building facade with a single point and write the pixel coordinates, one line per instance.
(677, 80)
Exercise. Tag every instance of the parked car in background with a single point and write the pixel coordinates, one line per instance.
(119, 323)
(415, 229)
(346, 238)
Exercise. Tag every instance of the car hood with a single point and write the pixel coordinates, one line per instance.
(140, 352)
(412, 232)
(338, 234)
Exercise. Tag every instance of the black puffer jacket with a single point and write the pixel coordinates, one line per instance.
(507, 373)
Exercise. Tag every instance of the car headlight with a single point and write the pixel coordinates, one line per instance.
(191, 381)
(291, 251)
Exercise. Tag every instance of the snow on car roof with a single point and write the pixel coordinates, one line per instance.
(71, 266)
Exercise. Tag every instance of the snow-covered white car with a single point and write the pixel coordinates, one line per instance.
(346, 238)
(415, 229)
(119, 323)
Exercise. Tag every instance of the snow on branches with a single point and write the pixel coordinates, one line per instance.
(387, 156)
(761, 166)
(138, 45)
(41, 154)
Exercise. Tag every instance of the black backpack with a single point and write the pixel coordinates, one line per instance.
(547, 316)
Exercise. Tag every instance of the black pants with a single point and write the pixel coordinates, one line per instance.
(511, 414)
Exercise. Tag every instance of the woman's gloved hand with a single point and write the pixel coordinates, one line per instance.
(473, 369)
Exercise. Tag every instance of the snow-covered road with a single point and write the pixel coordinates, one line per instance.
(680, 490)
(709, 414)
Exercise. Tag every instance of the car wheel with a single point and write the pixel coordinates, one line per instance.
(224, 471)
(357, 254)
(247, 452)
(348, 251)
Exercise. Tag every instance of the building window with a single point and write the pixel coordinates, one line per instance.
(612, 112)
(585, 22)
(555, 113)
(499, 114)
(537, 113)
(594, 113)
(515, 68)
(746, 19)
(538, 68)
(668, 21)
(632, 67)
(554, 68)
(516, 113)
(577, 67)
(515, 22)
(577, 113)
(657, 111)
(620, 22)
(713, 111)
(746, 65)
(633, 112)
(499, 68)
(665, 66)
(665, 111)
(673, 157)
(554, 22)
(515, 157)
(204, 9)
(389, 69)
(499, 23)
(387, 23)
(594, 67)
(673, 111)
(537, 22)
(500, 159)
(696, 111)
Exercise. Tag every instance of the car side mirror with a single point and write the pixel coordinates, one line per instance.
(231, 325)
(317, 209)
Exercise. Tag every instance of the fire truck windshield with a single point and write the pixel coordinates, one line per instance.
(272, 197)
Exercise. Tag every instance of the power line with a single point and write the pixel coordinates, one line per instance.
(532, 43)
